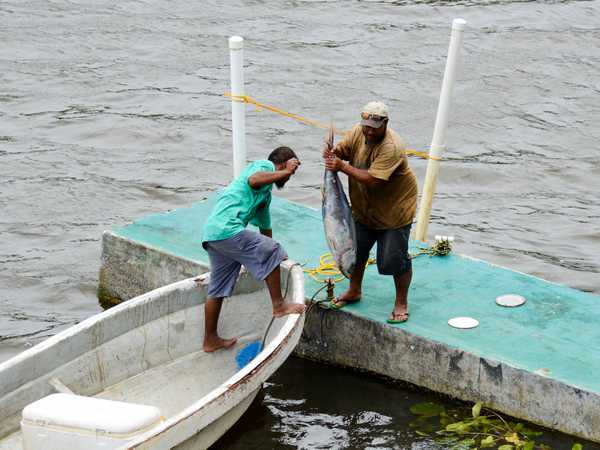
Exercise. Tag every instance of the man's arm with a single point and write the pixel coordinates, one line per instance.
(361, 175)
(260, 179)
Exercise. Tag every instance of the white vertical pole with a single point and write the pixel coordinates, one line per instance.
(238, 109)
(439, 133)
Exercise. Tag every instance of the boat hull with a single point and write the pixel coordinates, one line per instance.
(211, 433)
(147, 351)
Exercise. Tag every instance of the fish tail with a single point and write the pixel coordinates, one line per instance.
(330, 134)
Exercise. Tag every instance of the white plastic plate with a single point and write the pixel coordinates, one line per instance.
(510, 300)
(463, 322)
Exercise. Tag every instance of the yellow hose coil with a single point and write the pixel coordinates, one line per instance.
(328, 269)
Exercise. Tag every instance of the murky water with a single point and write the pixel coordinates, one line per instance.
(113, 110)
(360, 413)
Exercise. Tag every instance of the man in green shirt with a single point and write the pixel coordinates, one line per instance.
(229, 245)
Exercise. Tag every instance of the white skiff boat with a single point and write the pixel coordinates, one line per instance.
(135, 376)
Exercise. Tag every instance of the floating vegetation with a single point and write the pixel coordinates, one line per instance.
(461, 429)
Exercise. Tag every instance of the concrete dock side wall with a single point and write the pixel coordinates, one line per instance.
(348, 340)
(129, 269)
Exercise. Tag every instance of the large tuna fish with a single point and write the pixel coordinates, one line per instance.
(337, 220)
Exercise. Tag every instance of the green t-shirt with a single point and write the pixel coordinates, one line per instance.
(239, 205)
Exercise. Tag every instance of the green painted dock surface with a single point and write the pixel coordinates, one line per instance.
(555, 334)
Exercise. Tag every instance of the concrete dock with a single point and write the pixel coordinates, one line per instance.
(539, 362)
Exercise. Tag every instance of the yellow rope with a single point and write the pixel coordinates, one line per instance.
(421, 154)
(259, 106)
(328, 268)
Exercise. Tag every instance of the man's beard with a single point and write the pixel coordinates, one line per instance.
(371, 141)
(280, 184)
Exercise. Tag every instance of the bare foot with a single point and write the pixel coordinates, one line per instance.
(286, 308)
(213, 344)
(399, 315)
(349, 296)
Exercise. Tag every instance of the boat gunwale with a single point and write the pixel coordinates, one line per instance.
(96, 319)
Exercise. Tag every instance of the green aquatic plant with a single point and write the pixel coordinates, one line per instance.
(442, 247)
(480, 427)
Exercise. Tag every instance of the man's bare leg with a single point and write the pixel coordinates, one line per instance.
(354, 291)
(280, 307)
(402, 283)
(212, 341)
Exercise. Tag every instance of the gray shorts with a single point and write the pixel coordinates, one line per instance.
(392, 248)
(259, 254)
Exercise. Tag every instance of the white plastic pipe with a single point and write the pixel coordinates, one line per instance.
(439, 133)
(238, 109)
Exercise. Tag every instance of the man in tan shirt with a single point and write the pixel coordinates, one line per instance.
(383, 195)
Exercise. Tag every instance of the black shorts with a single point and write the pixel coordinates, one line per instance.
(392, 248)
